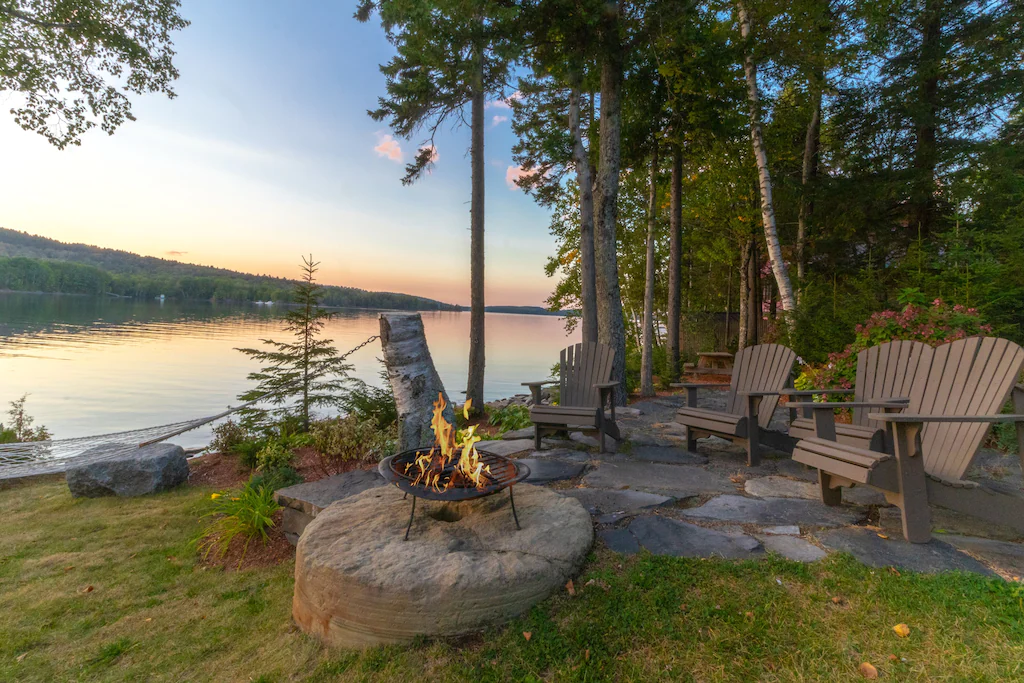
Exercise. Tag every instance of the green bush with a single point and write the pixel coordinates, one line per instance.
(246, 513)
(249, 450)
(339, 440)
(228, 436)
(510, 418)
(276, 479)
(273, 456)
(21, 428)
(372, 404)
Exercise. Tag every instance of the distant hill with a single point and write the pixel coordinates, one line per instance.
(524, 310)
(39, 264)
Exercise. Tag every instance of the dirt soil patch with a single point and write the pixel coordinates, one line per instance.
(238, 557)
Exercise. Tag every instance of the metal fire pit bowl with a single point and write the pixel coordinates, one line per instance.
(504, 473)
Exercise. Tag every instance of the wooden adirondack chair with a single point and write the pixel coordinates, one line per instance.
(952, 402)
(885, 375)
(759, 374)
(585, 387)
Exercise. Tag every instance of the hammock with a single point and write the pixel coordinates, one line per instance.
(48, 457)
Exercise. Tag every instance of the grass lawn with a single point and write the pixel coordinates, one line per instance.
(111, 589)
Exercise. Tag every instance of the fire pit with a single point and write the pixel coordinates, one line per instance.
(452, 469)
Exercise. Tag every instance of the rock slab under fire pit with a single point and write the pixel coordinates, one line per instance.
(464, 567)
(158, 467)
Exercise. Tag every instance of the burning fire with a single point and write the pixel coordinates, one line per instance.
(453, 459)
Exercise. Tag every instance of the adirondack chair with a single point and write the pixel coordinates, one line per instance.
(952, 402)
(585, 387)
(759, 374)
(885, 376)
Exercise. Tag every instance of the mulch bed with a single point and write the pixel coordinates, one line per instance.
(275, 551)
(221, 471)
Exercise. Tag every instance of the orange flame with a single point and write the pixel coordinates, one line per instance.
(434, 469)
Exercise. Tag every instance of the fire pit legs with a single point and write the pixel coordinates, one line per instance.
(411, 513)
(512, 500)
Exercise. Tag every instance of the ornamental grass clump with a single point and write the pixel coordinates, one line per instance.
(934, 324)
(247, 514)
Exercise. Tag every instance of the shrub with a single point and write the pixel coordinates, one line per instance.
(339, 440)
(273, 456)
(21, 428)
(246, 513)
(276, 479)
(372, 404)
(228, 436)
(510, 418)
(249, 450)
(934, 324)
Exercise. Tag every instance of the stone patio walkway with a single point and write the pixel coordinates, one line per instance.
(653, 494)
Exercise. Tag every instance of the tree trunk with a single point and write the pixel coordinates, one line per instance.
(807, 177)
(926, 121)
(611, 327)
(749, 305)
(647, 352)
(771, 232)
(588, 291)
(728, 309)
(413, 378)
(475, 385)
(675, 259)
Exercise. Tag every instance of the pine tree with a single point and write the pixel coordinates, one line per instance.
(303, 374)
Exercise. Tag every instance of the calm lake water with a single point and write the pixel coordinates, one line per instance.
(101, 365)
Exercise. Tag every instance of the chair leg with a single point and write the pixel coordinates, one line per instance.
(753, 451)
(536, 437)
(829, 495)
(913, 495)
(600, 439)
(691, 440)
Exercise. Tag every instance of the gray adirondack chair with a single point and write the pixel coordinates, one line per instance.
(952, 402)
(759, 375)
(585, 387)
(885, 377)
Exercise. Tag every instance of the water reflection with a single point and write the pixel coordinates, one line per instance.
(93, 365)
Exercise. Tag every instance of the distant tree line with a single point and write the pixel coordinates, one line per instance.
(24, 274)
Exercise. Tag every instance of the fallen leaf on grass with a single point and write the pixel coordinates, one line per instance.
(836, 600)
(894, 571)
(87, 589)
(21, 656)
(527, 635)
(149, 619)
(902, 630)
(570, 588)
(892, 658)
(749, 615)
(883, 536)
(586, 654)
(867, 670)
(682, 607)
(737, 478)
(69, 568)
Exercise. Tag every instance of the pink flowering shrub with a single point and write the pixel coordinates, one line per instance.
(935, 324)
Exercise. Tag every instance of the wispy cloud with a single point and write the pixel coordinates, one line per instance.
(174, 252)
(498, 120)
(504, 103)
(388, 147)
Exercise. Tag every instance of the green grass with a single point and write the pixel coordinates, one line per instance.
(154, 614)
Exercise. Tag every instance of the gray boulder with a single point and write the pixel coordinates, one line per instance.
(155, 468)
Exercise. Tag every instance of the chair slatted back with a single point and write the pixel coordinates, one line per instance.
(966, 377)
(888, 371)
(582, 366)
(764, 367)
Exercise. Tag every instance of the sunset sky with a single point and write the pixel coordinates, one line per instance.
(267, 153)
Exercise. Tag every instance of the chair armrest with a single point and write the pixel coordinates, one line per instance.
(904, 417)
(812, 392)
(892, 403)
(539, 384)
(758, 394)
(698, 385)
(606, 385)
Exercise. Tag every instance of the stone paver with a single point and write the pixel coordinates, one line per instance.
(672, 480)
(875, 551)
(314, 496)
(796, 470)
(782, 530)
(793, 548)
(620, 540)
(610, 444)
(672, 455)
(567, 454)
(524, 433)
(774, 511)
(781, 487)
(664, 536)
(506, 448)
(1009, 557)
(638, 438)
(547, 470)
(599, 501)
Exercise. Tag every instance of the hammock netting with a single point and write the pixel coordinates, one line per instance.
(47, 457)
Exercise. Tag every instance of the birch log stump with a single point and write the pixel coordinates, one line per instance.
(414, 380)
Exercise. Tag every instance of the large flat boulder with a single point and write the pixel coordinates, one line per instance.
(664, 536)
(546, 470)
(303, 502)
(598, 501)
(155, 468)
(465, 566)
(505, 448)
(678, 481)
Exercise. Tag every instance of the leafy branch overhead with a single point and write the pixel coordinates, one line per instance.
(72, 64)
